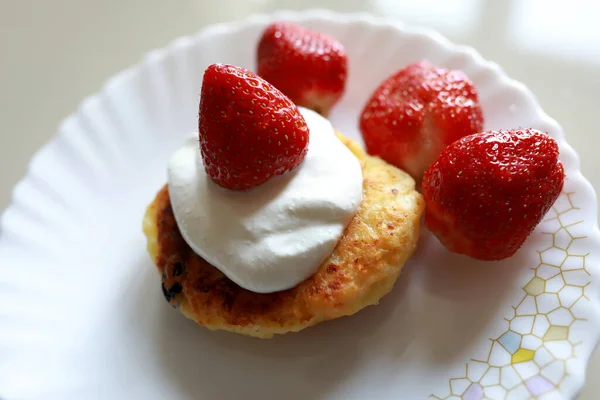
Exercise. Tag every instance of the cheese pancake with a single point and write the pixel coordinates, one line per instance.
(360, 271)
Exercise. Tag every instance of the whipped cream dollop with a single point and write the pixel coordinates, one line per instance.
(276, 235)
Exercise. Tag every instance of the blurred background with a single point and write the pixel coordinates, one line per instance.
(57, 52)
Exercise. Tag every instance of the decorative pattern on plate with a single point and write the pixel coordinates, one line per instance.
(529, 359)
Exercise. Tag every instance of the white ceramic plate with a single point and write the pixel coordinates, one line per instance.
(81, 311)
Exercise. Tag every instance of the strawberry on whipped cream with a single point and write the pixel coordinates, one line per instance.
(275, 235)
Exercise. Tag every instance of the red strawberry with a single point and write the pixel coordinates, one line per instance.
(418, 111)
(249, 131)
(308, 67)
(487, 192)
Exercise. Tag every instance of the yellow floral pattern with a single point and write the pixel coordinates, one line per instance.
(529, 359)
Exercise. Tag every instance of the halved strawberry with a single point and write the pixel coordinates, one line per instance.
(418, 111)
(308, 67)
(249, 131)
(486, 192)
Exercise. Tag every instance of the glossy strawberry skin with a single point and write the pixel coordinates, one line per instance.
(308, 67)
(487, 192)
(249, 131)
(418, 111)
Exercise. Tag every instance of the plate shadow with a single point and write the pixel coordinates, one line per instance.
(313, 363)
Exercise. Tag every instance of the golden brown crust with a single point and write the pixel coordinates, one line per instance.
(362, 268)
